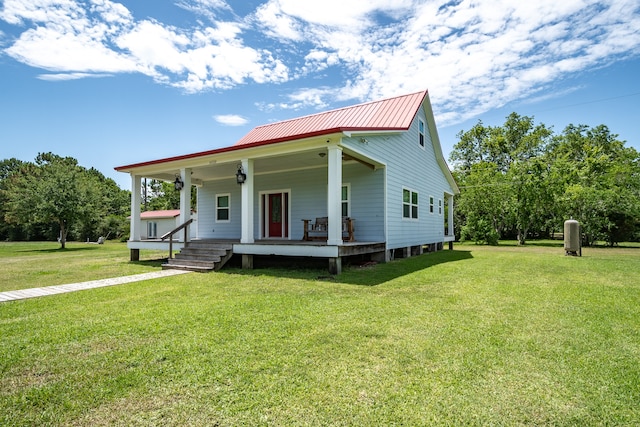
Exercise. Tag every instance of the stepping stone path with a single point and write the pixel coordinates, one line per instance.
(60, 289)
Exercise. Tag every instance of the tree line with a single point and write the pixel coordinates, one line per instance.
(54, 198)
(521, 180)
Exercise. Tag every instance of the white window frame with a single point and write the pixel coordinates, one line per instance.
(227, 208)
(152, 230)
(346, 201)
(432, 201)
(411, 205)
(421, 132)
(440, 207)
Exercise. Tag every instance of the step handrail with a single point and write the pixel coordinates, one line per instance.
(185, 226)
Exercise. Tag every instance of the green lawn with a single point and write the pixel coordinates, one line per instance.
(29, 265)
(476, 336)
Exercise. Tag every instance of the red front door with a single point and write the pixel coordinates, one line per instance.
(277, 215)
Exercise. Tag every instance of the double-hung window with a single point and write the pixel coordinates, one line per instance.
(346, 199)
(223, 213)
(409, 204)
(421, 133)
(431, 207)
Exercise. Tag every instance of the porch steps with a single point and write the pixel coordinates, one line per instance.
(201, 255)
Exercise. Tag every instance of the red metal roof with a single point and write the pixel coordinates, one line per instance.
(384, 115)
(170, 213)
(388, 114)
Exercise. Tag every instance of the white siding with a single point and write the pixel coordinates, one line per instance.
(208, 228)
(308, 190)
(367, 201)
(411, 166)
(309, 198)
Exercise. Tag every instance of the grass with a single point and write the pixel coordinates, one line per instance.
(29, 265)
(477, 336)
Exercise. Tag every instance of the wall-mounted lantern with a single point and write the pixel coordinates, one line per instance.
(241, 177)
(178, 183)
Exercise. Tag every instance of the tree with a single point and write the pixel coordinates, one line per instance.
(502, 177)
(601, 182)
(7, 168)
(47, 191)
(163, 195)
(471, 148)
(57, 191)
(530, 198)
(107, 207)
(483, 203)
(519, 139)
(519, 178)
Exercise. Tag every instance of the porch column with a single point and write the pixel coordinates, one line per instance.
(450, 215)
(185, 198)
(246, 199)
(334, 195)
(136, 201)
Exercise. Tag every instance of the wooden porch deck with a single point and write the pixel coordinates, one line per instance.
(344, 249)
(285, 247)
(278, 247)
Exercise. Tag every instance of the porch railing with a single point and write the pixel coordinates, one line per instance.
(185, 226)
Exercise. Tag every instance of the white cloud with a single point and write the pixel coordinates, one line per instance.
(473, 55)
(17, 12)
(276, 23)
(69, 51)
(231, 119)
(551, 95)
(70, 76)
(207, 8)
(304, 98)
(339, 13)
(74, 38)
(111, 12)
(155, 46)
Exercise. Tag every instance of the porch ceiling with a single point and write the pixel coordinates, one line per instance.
(311, 158)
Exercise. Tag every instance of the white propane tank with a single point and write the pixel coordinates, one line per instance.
(572, 238)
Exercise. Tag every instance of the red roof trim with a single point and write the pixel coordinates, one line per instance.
(176, 158)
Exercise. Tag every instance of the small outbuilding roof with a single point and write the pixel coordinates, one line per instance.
(168, 213)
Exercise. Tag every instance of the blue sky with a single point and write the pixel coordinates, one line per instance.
(114, 83)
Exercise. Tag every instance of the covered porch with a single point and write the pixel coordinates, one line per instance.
(261, 198)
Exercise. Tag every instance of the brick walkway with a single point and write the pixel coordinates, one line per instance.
(60, 289)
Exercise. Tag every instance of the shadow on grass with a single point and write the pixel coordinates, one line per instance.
(60, 250)
(547, 243)
(366, 274)
(543, 243)
(381, 273)
(150, 262)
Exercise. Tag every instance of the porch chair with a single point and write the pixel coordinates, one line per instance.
(318, 230)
